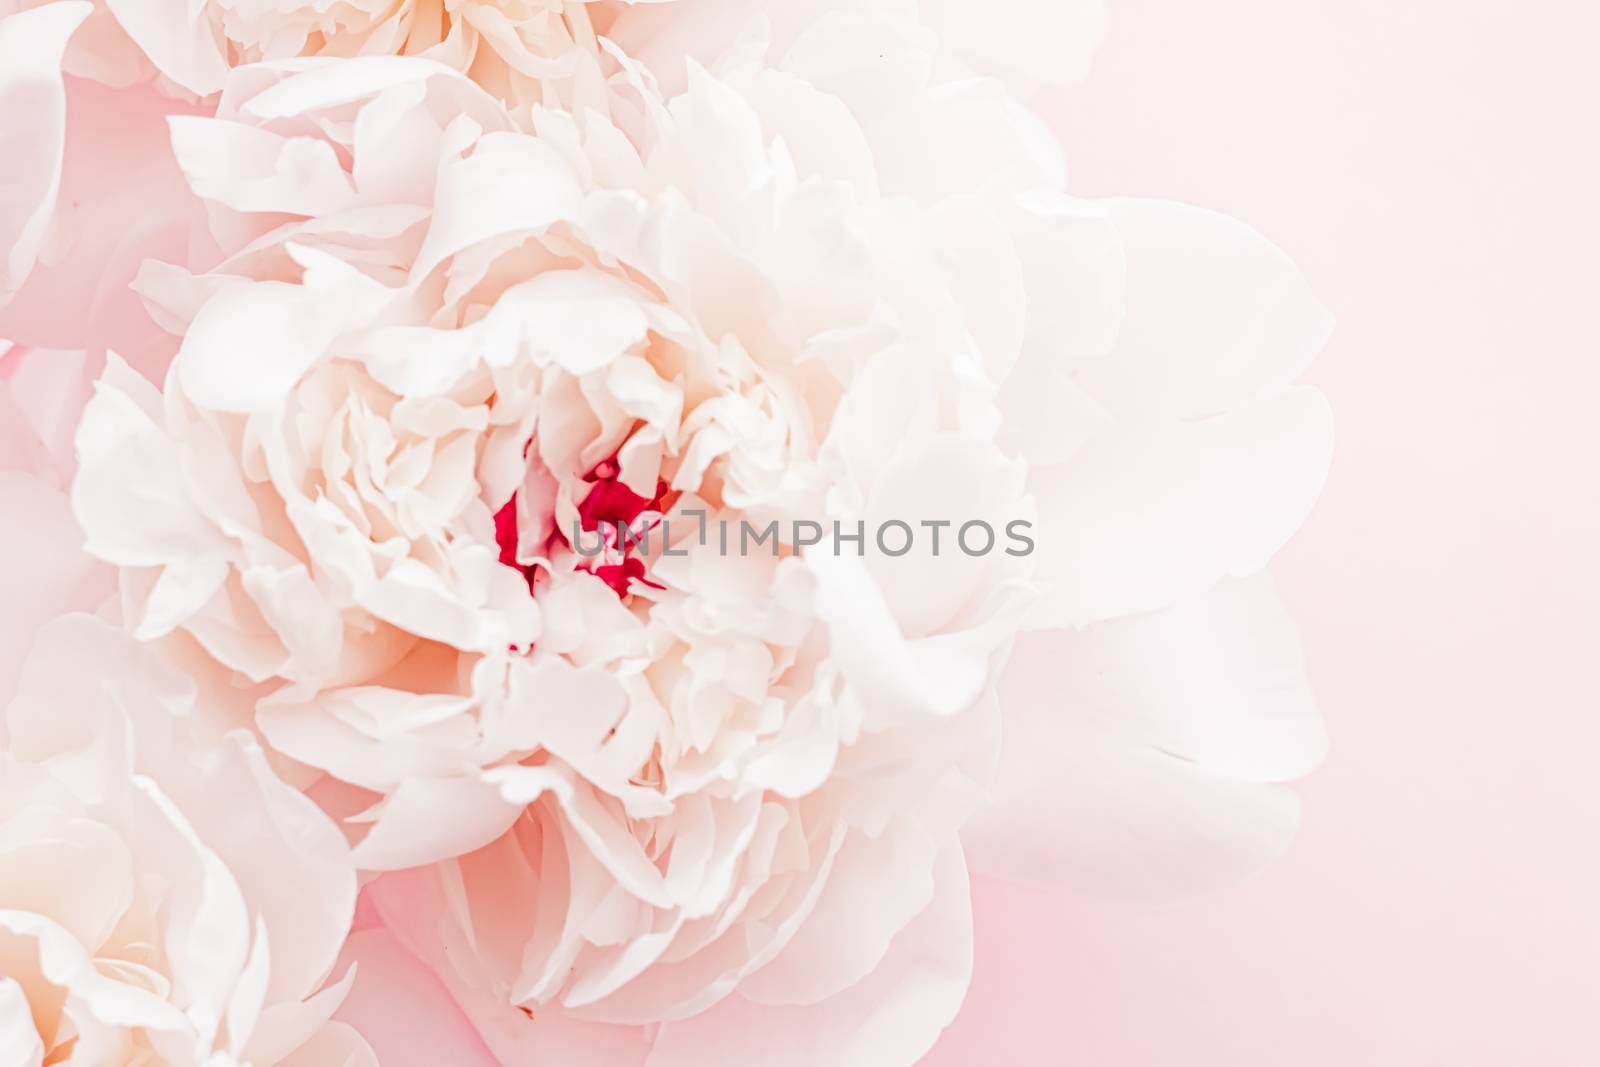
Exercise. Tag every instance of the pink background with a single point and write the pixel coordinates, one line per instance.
(1432, 166)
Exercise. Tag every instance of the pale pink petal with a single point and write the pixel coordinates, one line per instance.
(45, 395)
(33, 118)
(180, 40)
(1215, 314)
(130, 467)
(21, 449)
(1137, 754)
(249, 344)
(122, 201)
(412, 907)
(1109, 815)
(1154, 511)
(291, 860)
(426, 820)
(405, 1011)
(43, 568)
(1217, 679)
(337, 1045)
(876, 887)
(891, 1017)
(20, 1043)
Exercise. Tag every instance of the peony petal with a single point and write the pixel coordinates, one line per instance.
(33, 135)
(876, 887)
(411, 905)
(21, 449)
(129, 466)
(1152, 512)
(75, 870)
(122, 200)
(286, 1026)
(20, 1043)
(427, 820)
(63, 963)
(206, 937)
(509, 184)
(1135, 754)
(1218, 679)
(47, 393)
(179, 39)
(403, 1008)
(249, 995)
(43, 568)
(250, 169)
(1107, 815)
(1216, 314)
(573, 714)
(337, 1045)
(330, 84)
(122, 696)
(251, 343)
(290, 859)
(936, 676)
(372, 737)
(891, 1017)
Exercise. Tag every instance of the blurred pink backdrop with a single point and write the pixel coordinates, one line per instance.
(1433, 167)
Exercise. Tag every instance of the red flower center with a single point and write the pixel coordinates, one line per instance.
(608, 507)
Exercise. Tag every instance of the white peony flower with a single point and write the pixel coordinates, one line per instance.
(164, 898)
(812, 279)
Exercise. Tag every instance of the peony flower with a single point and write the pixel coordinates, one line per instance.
(713, 796)
(733, 750)
(164, 897)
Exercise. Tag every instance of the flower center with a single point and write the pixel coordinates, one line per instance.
(619, 519)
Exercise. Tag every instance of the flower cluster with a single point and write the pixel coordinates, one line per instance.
(460, 326)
